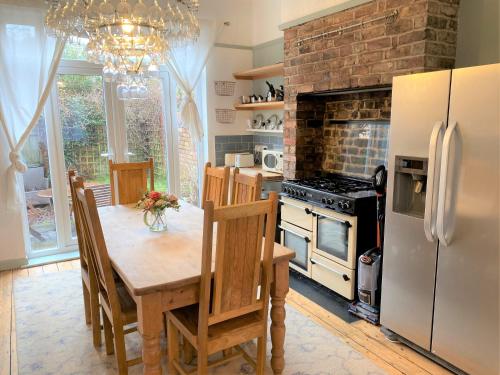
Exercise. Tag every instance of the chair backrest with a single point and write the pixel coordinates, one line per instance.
(97, 251)
(242, 264)
(245, 188)
(215, 185)
(131, 180)
(76, 182)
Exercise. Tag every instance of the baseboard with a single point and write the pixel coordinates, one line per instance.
(11, 264)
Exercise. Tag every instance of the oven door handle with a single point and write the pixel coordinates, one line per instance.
(307, 210)
(343, 275)
(305, 238)
(347, 223)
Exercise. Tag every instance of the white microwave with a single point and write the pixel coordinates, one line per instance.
(272, 161)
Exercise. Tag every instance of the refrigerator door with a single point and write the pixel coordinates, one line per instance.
(466, 318)
(419, 107)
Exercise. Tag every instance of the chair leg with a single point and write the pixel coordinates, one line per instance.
(108, 333)
(173, 347)
(86, 303)
(261, 356)
(96, 319)
(188, 352)
(121, 355)
(202, 359)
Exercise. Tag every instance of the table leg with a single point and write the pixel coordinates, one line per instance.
(279, 291)
(150, 326)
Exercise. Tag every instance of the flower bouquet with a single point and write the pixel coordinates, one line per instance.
(154, 205)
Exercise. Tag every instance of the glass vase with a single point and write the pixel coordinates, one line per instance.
(156, 221)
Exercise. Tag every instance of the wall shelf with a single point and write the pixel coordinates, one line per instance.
(259, 106)
(265, 131)
(262, 72)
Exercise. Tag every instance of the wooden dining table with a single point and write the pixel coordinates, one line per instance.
(162, 272)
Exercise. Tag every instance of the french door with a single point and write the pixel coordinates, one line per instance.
(84, 126)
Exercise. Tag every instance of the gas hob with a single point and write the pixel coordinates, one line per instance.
(337, 192)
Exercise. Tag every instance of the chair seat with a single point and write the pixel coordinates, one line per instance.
(127, 304)
(221, 335)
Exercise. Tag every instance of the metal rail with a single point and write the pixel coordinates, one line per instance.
(388, 17)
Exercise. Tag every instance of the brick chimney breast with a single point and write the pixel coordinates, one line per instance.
(421, 38)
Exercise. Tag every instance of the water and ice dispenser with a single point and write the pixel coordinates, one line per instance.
(410, 179)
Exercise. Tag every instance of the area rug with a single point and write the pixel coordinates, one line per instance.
(52, 337)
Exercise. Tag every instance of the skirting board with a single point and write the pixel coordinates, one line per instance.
(11, 264)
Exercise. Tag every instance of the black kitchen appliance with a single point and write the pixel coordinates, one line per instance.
(370, 263)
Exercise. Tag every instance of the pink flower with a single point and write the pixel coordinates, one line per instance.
(172, 198)
(154, 195)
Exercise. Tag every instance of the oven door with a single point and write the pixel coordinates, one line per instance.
(334, 236)
(298, 240)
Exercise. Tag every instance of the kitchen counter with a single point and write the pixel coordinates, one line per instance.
(253, 171)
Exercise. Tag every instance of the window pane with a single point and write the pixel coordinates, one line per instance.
(75, 49)
(146, 136)
(38, 193)
(83, 125)
(188, 158)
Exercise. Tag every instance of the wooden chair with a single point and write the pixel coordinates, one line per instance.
(245, 189)
(215, 185)
(89, 282)
(118, 308)
(132, 181)
(237, 312)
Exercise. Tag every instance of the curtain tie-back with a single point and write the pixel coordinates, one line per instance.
(16, 162)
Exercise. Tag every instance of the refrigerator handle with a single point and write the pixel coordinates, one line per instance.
(430, 211)
(443, 181)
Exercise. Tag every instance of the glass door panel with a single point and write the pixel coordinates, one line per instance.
(84, 136)
(146, 132)
(38, 192)
(333, 237)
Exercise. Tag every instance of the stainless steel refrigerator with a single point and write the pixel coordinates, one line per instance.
(440, 284)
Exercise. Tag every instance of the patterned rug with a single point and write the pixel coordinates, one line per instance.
(52, 337)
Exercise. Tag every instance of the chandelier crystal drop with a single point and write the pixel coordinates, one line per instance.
(130, 38)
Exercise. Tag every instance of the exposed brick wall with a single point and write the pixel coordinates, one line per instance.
(422, 38)
(344, 133)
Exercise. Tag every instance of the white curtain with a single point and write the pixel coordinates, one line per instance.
(186, 64)
(28, 64)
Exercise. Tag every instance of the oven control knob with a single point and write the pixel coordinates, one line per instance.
(293, 191)
(329, 201)
(323, 200)
(347, 204)
(341, 204)
(302, 193)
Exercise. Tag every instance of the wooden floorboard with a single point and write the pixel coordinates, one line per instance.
(63, 266)
(35, 271)
(394, 358)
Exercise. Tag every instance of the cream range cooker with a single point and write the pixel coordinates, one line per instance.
(328, 221)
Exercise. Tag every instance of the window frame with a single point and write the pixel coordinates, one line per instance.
(117, 143)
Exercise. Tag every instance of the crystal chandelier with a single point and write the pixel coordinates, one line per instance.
(131, 38)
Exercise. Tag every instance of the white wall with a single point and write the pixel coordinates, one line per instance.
(294, 9)
(237, 12)
(220, 67)
(266, 18)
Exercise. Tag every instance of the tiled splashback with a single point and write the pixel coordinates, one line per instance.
(244, 143)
